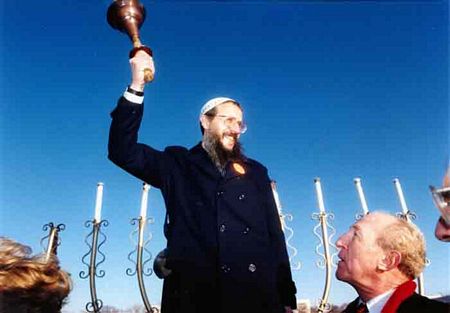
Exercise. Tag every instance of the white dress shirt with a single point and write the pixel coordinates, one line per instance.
(375, 305)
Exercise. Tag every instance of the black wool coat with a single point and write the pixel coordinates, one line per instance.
(226, 248)
(413, 304)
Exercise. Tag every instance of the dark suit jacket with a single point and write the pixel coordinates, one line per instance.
(414, 304)
(226, 249)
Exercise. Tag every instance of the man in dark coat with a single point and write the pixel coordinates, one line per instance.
(380, 255)
(225, 247)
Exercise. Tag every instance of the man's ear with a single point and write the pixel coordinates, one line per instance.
(205, 121)
(390, 261)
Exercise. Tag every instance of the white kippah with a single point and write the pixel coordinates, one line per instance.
(213, 103)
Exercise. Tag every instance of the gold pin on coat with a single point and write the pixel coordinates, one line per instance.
(239, 168)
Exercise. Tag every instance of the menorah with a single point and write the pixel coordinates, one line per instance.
(140, 270)
(141, 255)
(95, 304)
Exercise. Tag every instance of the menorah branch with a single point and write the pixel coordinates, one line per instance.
(95, 305)
(53, 239)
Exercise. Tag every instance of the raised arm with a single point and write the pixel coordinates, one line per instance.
(140, 160)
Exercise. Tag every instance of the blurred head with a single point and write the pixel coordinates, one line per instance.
(442, 230)
(28, 284)
(221, 126)
(446, 180)
(380, 243)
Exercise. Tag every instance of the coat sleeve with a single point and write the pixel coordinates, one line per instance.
(285, 284)
(142, 161)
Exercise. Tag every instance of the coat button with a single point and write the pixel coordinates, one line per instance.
(222, 228)
(252, 267)
(246, 230)
(241, 197)
(225, 268)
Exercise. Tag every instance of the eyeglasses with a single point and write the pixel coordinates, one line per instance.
(230, 121)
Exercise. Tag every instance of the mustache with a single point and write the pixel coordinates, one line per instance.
(218, 153)
(231, 134)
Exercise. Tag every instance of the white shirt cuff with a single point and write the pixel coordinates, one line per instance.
(133, 98)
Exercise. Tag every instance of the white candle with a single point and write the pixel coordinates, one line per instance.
(144, 201)
(319, 195)
(276, 196)
(362, 198)
(98, 203)
(398, 187)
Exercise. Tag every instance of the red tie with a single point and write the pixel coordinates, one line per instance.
(362, 308)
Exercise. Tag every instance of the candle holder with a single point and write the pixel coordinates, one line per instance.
(94, 247)
(140, 269)
(409, 216)
(288, 231)
(406, 214)
(362, 199)
(326, 259)
(53, 239)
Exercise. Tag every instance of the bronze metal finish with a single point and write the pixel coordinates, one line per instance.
(128, 16)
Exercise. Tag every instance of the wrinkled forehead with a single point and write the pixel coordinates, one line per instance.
(375, 222)
(229, 108)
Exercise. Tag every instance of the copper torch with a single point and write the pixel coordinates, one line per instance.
(128, 16)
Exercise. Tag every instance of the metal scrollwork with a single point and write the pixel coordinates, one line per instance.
(53, 239)
(140, 262)
(90, 307)
(326, 260)
(408, 216)
(289, 233)
(95, 304)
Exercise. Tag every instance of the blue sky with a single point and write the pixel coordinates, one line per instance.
(330, 89)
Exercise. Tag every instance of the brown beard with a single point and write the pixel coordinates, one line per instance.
(219, 155)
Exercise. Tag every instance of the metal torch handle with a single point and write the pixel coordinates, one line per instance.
(138, 46)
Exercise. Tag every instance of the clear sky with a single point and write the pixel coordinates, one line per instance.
(330, 89)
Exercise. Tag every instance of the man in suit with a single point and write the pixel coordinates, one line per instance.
(226, 250)
(380, 256)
